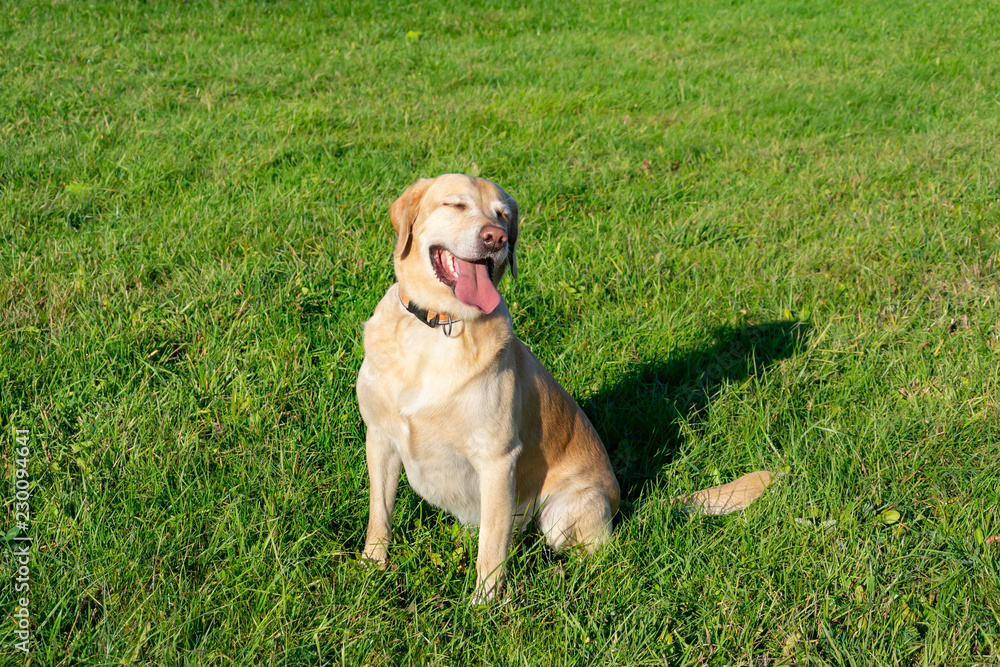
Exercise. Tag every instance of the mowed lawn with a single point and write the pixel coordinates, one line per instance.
(754, 235)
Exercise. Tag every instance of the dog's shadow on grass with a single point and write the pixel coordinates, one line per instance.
(639, 416)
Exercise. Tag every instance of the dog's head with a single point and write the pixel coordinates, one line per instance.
(456, 237)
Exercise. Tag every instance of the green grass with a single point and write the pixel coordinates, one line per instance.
(754, 235)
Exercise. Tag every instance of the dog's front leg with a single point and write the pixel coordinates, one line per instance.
(383, 477)
(497, 490)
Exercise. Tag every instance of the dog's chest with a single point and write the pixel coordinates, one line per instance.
(414, 418)
(444, 477)
(438, 411)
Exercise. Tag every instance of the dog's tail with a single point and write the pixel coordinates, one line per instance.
(732, 497)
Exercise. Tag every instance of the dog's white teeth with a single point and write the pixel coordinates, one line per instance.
(448, 264)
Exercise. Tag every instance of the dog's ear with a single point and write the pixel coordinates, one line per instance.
(512, 237)
(403, 213)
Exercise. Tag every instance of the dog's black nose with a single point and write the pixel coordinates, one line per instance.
(493, 237)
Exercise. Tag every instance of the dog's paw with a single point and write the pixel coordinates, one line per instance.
(375, 555)
(487, 592)
(481, 600)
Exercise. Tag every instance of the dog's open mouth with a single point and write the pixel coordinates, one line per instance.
(472, 282)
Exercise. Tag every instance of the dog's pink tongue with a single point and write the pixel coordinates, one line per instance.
(474, 287)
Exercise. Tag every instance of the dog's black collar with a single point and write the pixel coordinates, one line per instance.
(428, 317)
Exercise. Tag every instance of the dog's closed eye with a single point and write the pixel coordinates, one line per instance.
(458, 205)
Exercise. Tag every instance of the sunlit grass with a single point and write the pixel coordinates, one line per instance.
(753, 236)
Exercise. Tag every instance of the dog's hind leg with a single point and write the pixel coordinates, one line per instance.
(576, 518)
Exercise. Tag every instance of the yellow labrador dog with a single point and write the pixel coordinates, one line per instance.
(449, 393)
